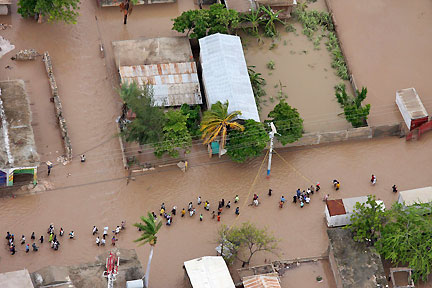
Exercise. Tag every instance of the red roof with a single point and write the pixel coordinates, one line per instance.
(261, 281)
(336, 207)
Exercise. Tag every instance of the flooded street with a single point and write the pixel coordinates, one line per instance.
(302, 231)
(96, 192)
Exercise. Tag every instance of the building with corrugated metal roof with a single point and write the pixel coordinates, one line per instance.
(261, 281)
(164, 63)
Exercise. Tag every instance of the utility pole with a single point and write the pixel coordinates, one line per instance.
(271, 134)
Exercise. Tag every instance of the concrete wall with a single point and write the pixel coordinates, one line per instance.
(58, 106)
(317, 138)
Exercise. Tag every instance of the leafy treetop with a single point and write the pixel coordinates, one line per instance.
(249, 143)
(148, 124)
(52, 10)
(367, 220)
(246, 240)
(205, 22)
(288, 122)
(175, 134)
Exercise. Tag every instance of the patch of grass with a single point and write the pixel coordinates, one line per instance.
(338, 61)
(290, 28)
(271, 65)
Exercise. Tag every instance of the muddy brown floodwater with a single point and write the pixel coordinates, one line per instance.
(304, 72)
(96, 192)
(388, 46)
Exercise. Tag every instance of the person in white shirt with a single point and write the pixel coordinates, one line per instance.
(97, 241)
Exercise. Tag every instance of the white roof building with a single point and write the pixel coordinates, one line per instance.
(420, 195)
(225, 74)
(338, 212)
(209, 272)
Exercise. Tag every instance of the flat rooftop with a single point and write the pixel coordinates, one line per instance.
(357, 266)
(411, 100)
(152, 51)
(17, 145)
(20, 278)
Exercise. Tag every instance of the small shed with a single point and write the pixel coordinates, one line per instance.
(208, 272)
(419, 195)
(18, 156)
(411, 108)
(338, 212)
(225, 74)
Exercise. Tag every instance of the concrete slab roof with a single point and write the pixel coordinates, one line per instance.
(173, 84)
(412, 103)
(20, 278)
(357, 266)
(152, 51)
(17, 145)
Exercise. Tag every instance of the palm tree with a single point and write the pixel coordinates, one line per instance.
(149, 230)
(216, 121)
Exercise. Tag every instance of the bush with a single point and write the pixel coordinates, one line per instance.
(353, 110)
(244, 145)
(288, 122)
(193, 120)
(205, 22)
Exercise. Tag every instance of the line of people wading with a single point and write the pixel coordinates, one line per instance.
(300, 197)
(54, 241)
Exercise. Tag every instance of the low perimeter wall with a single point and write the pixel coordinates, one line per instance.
(345, 135)
(58, 106)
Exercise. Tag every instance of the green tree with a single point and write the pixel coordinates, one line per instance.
(193, 120)
(288, 122)
(250, 143)
(175, 135)
(354, 112)
(407, 238)
(52, 10)
(147, 127)
(205, 22)
(246, 240)
(216, 121)
(367, 220)
(149, 229)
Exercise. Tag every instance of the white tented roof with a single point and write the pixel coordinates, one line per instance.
(225, 74)
(420, 195)
(209, 272)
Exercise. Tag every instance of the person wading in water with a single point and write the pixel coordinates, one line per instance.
(126, 8)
